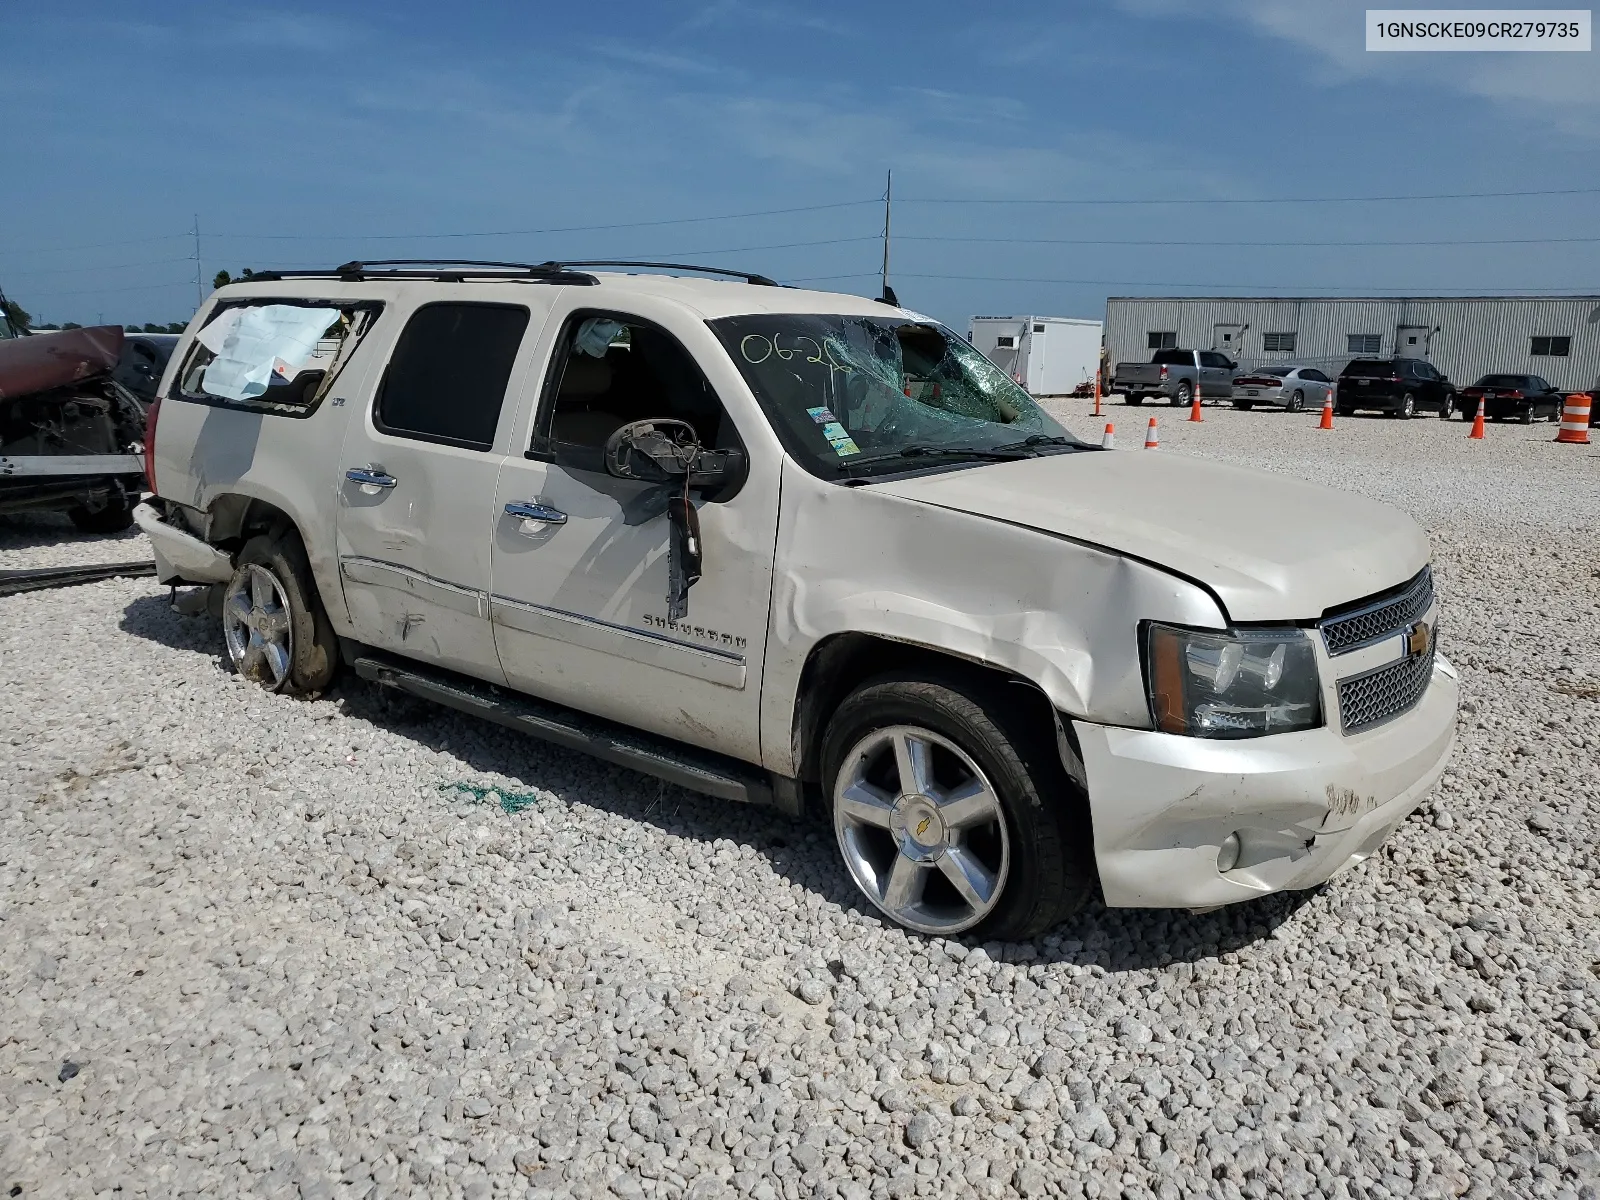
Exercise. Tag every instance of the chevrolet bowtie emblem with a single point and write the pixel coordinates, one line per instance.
(1419, 639)
(922, 827)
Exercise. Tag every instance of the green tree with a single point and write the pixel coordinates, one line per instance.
(175, 327)
(223, 279)
(19, 317)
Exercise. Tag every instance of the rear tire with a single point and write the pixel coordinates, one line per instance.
(987, 802)
(1526, 415)
(275, 631)
(1183, 396)
(1297, 402)
(1407, 409)
(1448, 408)
(116, 516)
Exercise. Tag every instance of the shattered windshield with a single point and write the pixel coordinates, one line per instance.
(851, 394)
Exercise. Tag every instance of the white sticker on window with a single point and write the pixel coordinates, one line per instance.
(252, 345)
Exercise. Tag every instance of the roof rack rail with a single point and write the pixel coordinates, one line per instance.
(447, 270)
(747, 276)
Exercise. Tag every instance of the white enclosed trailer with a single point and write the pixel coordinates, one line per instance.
(1047, 355)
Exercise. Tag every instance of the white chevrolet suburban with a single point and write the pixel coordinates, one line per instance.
(784, 546)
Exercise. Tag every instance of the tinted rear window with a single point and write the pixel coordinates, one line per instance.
(1183, 358)
(1370, 367)
(1504, 381)
(448, 375)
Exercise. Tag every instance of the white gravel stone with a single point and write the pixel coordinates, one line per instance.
(346, 947)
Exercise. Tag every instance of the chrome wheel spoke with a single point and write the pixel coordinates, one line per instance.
(277, 660)
(970, 804)
(239, 608)
(903, 889)
(260, 588)
(866, 804)
(913, 760)
(971, 878)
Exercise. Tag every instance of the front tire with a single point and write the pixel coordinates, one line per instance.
(952, 813)
(273, 624)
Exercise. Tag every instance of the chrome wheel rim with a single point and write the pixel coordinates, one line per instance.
(921, 829)
(256, 626)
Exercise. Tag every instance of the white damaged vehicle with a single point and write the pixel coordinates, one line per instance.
(791, 547)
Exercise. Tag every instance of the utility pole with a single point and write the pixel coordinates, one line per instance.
(888, 193)
(199, 296)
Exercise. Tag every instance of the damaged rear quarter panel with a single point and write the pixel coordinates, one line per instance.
(1063, 615)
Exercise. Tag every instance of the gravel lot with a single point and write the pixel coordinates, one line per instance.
(50, 540)
(341, 948)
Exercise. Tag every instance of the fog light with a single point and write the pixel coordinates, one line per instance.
(1228, 853)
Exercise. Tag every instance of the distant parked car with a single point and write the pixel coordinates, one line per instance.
(144, 357)
(1175, 374)
(1400, 387)
(1293, 388)
(1505, 396)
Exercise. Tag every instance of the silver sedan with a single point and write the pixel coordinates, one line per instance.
(1293, 388)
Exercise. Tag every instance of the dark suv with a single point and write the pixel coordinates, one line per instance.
(1401, 387)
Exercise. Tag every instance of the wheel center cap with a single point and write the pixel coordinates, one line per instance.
(918, 828)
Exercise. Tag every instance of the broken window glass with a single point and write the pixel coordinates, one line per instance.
(275, 353)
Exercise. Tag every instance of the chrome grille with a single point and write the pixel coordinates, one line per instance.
(1381, 617)
(1376, 696)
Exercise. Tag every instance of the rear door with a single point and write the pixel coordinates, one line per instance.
(417, 481)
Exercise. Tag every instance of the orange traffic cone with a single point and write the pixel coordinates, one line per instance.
(1575, 419)
(1327, 411)
(1152, 440)
(1477, 422)
(1194, 409)
(1108, 440)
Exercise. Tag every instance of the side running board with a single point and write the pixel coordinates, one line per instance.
(689, 767)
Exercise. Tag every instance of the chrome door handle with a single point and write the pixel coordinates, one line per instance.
(373, 477)
(541, 513)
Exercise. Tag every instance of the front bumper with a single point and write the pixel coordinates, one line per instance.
(1304, 805)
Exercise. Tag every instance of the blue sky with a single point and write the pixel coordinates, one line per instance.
(307, 135)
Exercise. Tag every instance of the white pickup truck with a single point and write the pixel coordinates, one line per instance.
(791, 547)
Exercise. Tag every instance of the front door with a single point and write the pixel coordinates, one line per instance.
(417, 481)
(580, 559)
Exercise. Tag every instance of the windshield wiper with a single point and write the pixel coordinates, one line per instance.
(1041, 439)
(987, 453)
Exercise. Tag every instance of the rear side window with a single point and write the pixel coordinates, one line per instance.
(279, 356)
(1183, 358)
(447, 377)
(1370, 368)
(1211, 358)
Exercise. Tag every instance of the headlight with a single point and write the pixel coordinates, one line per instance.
(1238, 684)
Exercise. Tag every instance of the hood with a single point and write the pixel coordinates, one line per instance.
(1272, 548)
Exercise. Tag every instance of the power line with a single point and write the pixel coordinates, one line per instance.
(154, 262)
(1255, 199)
(392, 237)
(1477, 290)
(142, 287)
(1032, 241)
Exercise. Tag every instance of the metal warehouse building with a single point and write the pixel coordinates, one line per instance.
(1465, 337)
